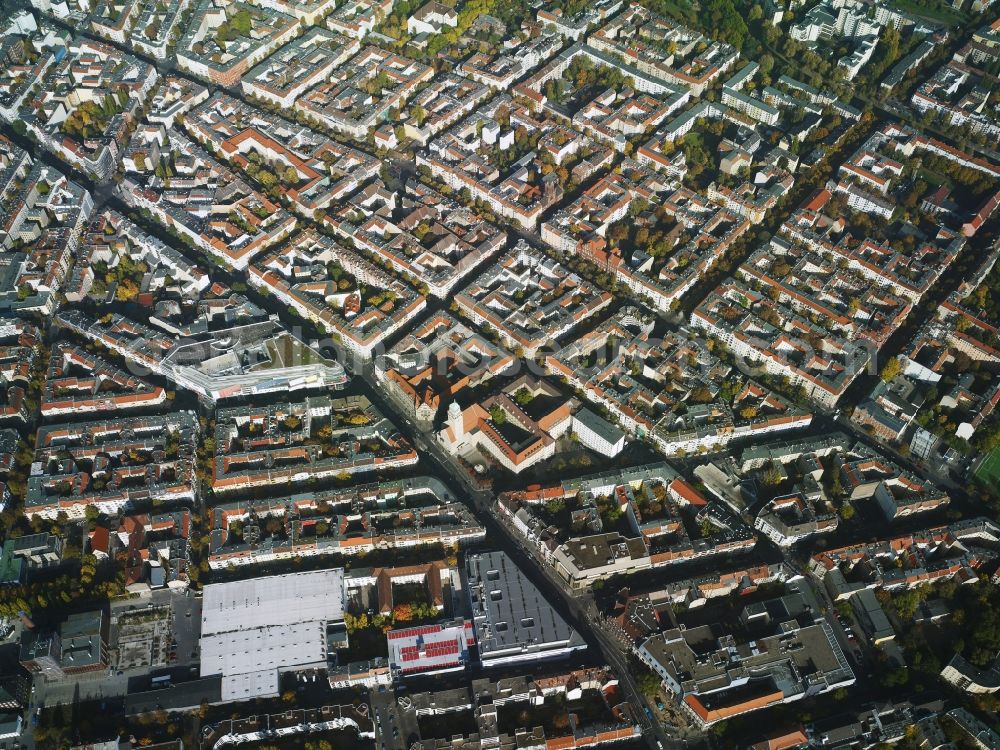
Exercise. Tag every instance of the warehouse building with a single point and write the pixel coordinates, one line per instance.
(255, 629)
(513, 620)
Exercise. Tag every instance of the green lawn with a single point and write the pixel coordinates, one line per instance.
(937, 12)
(935, 179)
(989, 470)
(286, 351)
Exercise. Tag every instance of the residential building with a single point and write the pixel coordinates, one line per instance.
(206, 202)
(79, 645)
(530, 299)
(312, 171)
(520, 186)
(226, 39)
(715, 677)
(432, 18)
(440, 105)
(360, 92)
(435, 362)
(282, 77)
(500, 428)
(791, 518)
(576, 26)
(642, 36)
(156, 25)
(500, 71)
(669, 520)
(937, 554)
(357, 18)
(270, 446)
(781, 341)
(387, 515)
(970, 678)
(323, 282)
(40, 233)
(154, 463)
(99, 79)
(428, 238)
(597, 433)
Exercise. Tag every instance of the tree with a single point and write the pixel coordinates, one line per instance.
(891, 369)
(896, 678)
(127, 291)
(700, 395)
(890, 38)
(402, 612)
(772, 475)
(266, 179)
(726, 22)
(242, 22)
(647, 682)
(554, 89)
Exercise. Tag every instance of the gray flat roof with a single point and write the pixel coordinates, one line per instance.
(183, 695)
(599, 425)
(510, 613)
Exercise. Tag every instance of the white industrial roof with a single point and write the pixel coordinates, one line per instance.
(270, 648)
(254, 629)
(273, 601)
(253, 685)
